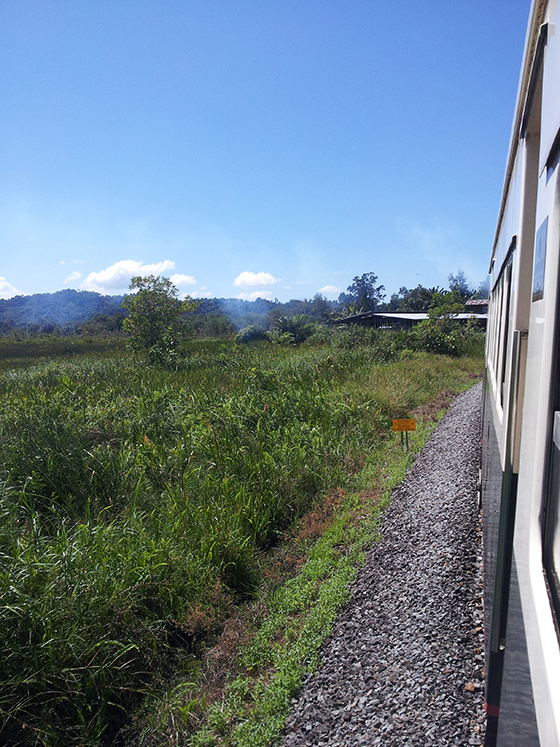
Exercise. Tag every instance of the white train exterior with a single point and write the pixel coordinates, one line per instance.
(520, 477)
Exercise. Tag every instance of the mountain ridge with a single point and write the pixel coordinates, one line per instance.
(64, 307)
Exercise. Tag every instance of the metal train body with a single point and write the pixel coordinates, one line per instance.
(520, 477)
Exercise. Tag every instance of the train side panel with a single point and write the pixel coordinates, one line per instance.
(521, 462)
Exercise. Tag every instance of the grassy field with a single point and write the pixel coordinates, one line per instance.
(16, 353)
(142, 509)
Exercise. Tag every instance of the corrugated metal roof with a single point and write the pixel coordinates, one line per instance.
(420, 316)
(412, 316)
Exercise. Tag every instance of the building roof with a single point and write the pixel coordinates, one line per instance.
(411, 316)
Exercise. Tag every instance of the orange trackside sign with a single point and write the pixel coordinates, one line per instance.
(406, 424)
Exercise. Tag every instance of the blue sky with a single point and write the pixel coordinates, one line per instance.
(244, 148)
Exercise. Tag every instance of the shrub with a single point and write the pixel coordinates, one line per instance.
(153, 319)
(322, 335)
(300, 327)
(446, 337)
(166, 351)
(252, 333)
(353, 336)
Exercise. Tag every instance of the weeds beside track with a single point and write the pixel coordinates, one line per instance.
(139, 506)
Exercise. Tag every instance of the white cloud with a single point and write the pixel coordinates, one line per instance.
(73, 277)
(7, 290)
(182, 280)
(329, 290)
(117, 277)
(256, 294)
(251, 279)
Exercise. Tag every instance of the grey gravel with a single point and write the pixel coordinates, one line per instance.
(409, 642)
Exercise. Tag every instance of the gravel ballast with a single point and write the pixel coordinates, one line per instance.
(404, 664)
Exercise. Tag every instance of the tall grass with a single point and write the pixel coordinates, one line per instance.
(136, 503)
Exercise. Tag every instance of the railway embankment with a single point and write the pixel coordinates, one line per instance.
(404, 664)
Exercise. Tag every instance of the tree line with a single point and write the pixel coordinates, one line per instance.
(364, 294)
(158, 321)
(88, 313)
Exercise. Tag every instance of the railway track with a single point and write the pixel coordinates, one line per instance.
(404, 665)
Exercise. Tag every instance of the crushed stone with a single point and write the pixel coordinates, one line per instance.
(404, 664)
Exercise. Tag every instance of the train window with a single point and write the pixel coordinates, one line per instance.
(491, 332)
(539, 261)
(499, 328)
(499, 322)
(551, 555)
(551, 500)
(553, 157)
(504, 340)
(498, 293)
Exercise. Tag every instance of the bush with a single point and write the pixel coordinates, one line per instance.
(446, 337)
(252, 333)
(299, 327)
(322, 335)
(384, 344)
(153, 319)
(354, 336)
(281, 338)
(166, 351)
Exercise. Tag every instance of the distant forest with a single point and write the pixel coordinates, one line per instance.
(76, 312)
(86, 312)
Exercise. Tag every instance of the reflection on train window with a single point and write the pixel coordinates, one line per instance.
(504, 340)
(539, 262)
(552, 523)
(497, 323)
(498, 331)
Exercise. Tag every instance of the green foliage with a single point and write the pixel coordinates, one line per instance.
(302, 611)
(251, 333)
(215, 326)
(434, 336)
(363, 294)
(417, 299)
(355, 336)
(459, 285)
(41, 349)
(101, 324)
(321, 309)
(60, 310)
(153, 318)
(446, 336)
(441, 333)
(137, 502)
(446, 305)
(293, 329)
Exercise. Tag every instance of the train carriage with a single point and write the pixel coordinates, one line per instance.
(520, 476)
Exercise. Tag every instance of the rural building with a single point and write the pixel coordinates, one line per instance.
(405, 319)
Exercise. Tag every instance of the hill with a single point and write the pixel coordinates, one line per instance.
(64, 308)
(67, 309)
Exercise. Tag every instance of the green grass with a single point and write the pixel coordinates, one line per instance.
(300, 614)
(16, 353)
(140, 505)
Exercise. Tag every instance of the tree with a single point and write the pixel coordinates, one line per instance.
(441, 332)
(295, 329)
(459, 284)
(102, 324)
(154, 313)
(363, 294)
(320, 308)
(483, 290)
